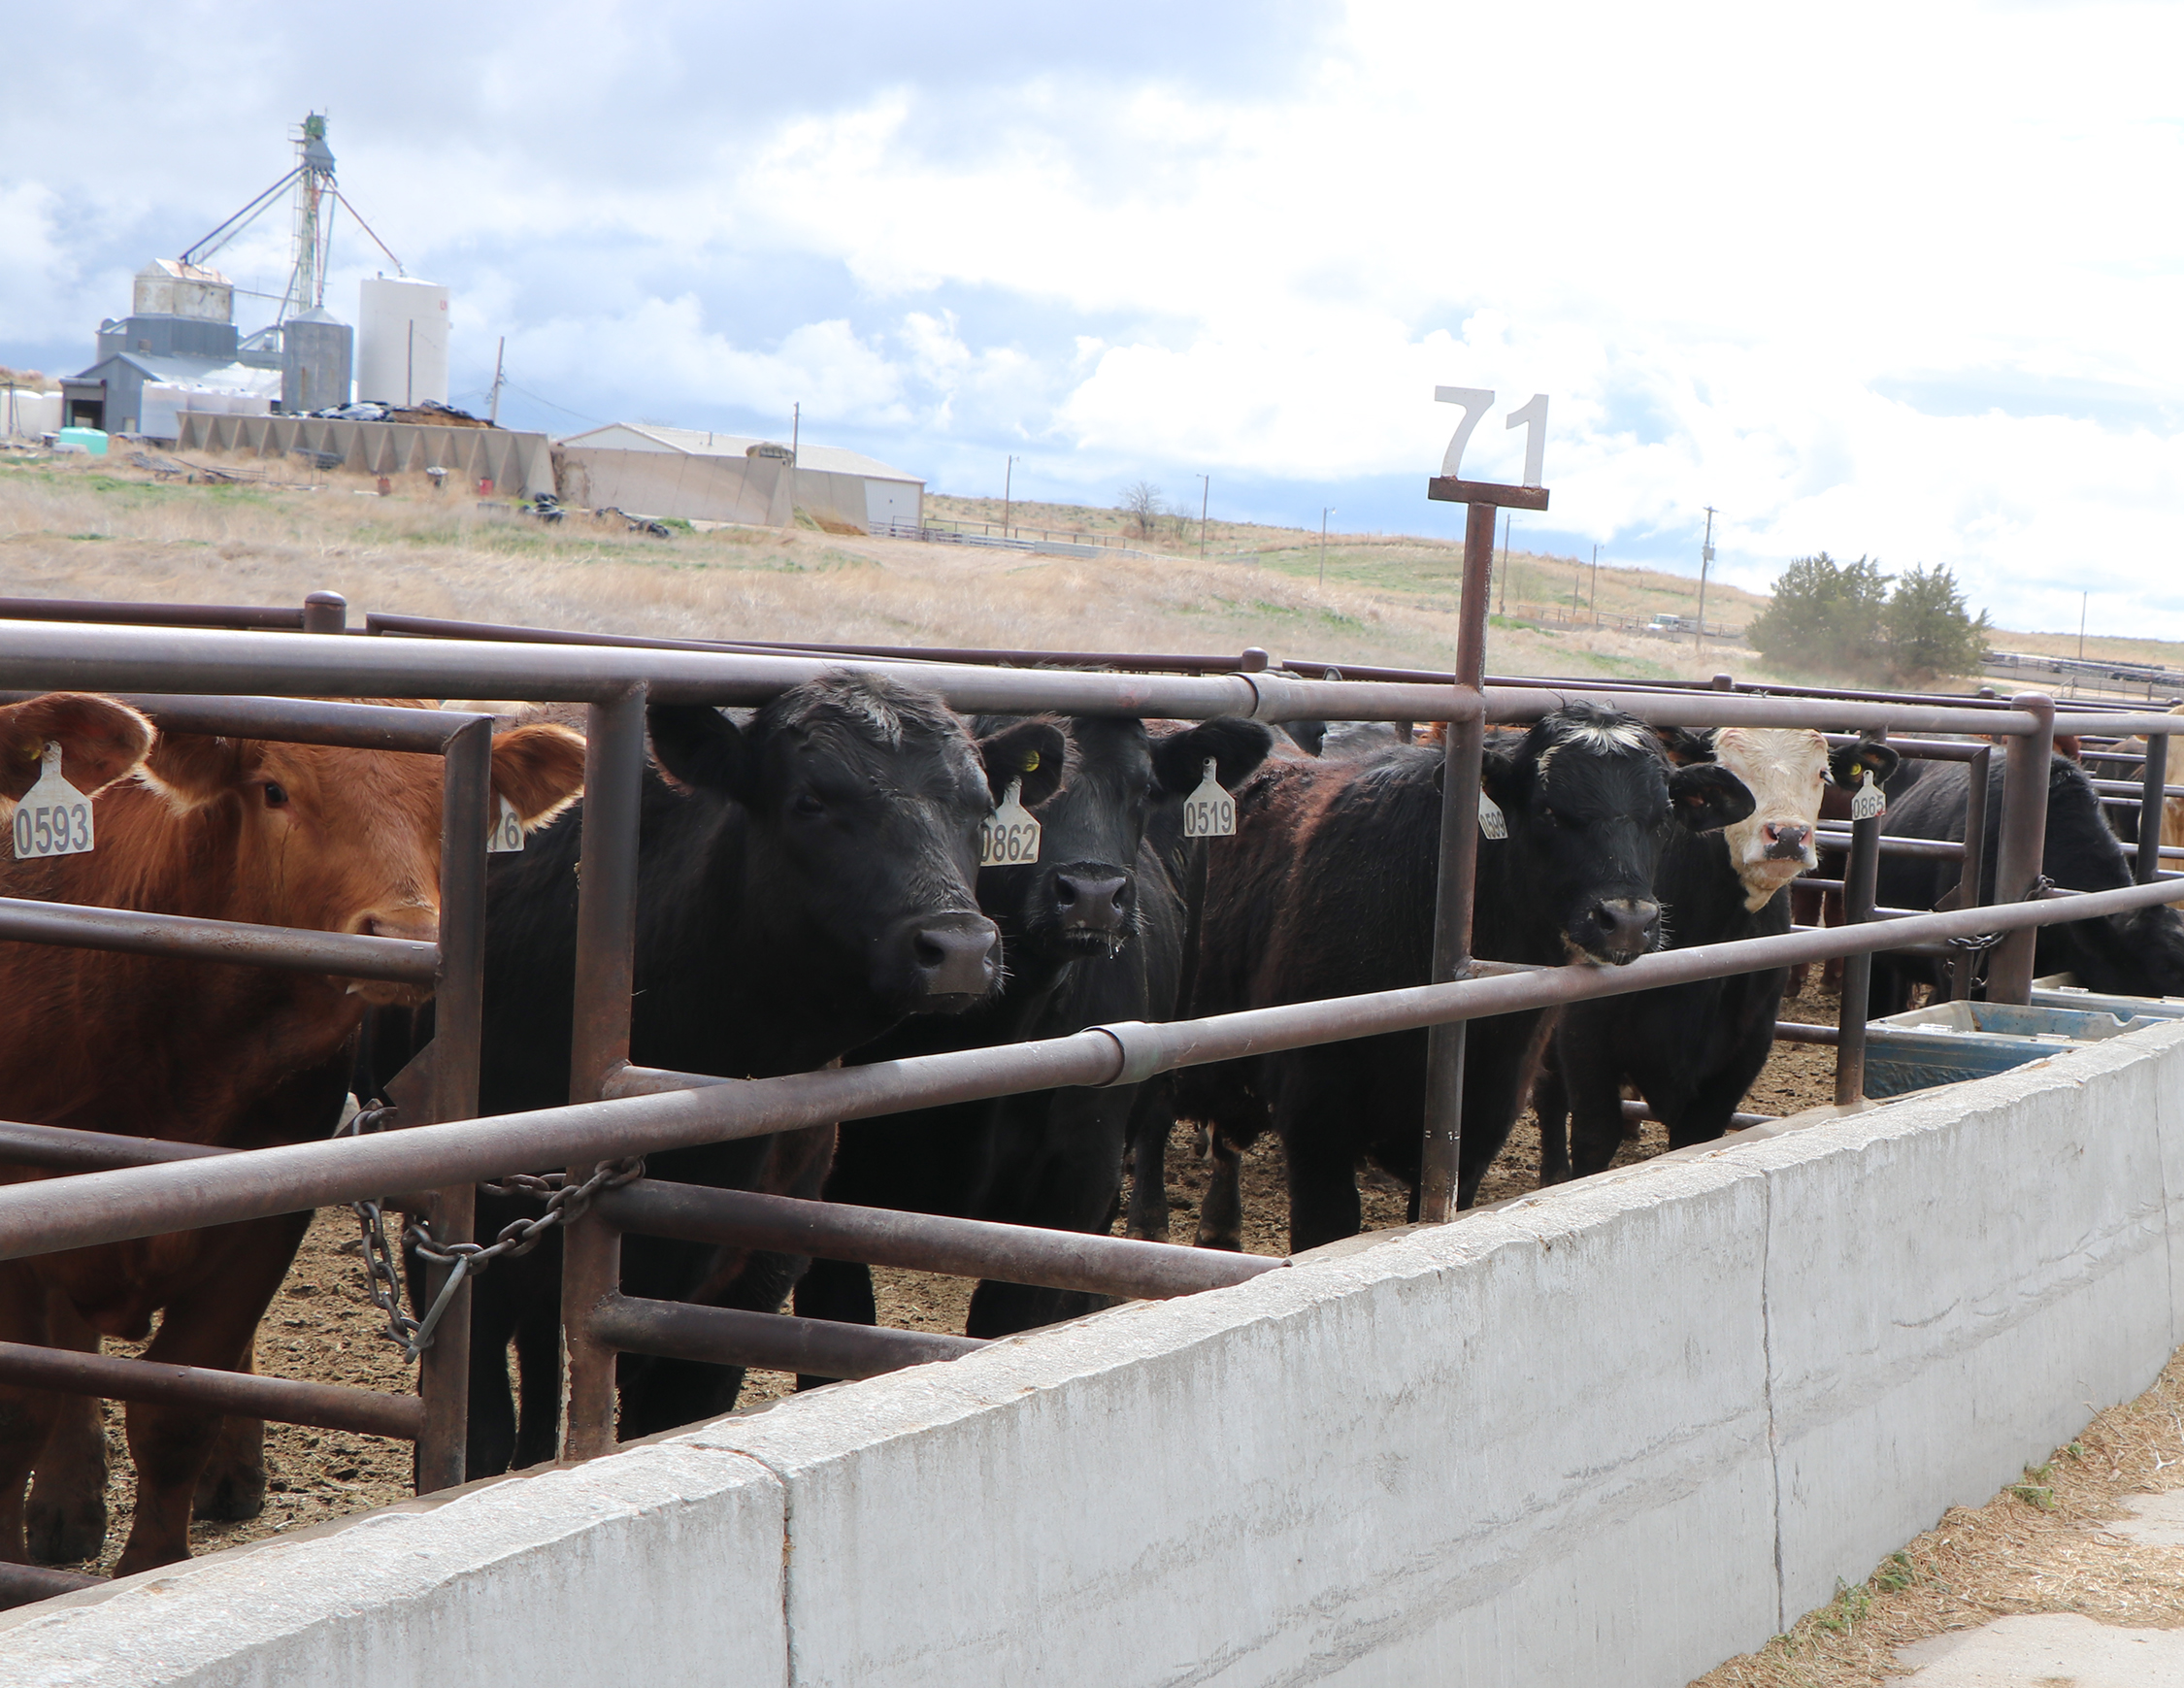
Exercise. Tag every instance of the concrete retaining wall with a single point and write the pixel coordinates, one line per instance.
(1610, 1434)
(515, 462)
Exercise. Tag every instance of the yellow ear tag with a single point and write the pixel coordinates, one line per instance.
(1028, 763)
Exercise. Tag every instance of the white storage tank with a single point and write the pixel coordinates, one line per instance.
(402, 342)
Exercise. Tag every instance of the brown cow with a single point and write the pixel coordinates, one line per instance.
(305, 835)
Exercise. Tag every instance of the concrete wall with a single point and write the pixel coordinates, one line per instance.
(657, 483)
(517, 462)
(1612, 1433)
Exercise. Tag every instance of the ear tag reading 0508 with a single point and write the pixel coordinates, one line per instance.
(1209, 811)
(1869, 802)
(1008, 836)
(53, 817)
(507, 834)
(1492, 822)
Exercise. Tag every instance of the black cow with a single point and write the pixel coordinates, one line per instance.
(803, 885)
(1333, 892)
(1078, 927)
(2138, 954)
(1694, 1049)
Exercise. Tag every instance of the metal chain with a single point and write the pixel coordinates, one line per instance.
(564, 1203)
(1976, 948)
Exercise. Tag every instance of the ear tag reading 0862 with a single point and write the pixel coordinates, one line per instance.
(1492, 822)
(506, 832)
(1869, 802)
(1008, 836)
(53, 817)
(1209, 811)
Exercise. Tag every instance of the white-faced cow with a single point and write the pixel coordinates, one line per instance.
(305, 835)
(1694, 1049)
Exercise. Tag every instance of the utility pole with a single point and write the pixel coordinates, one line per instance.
(1592, 601)
(1505, 609)
(2083, 599)
(796, 430)
(1007, 492)
(1706, 561)
(1323, 515)
(1204, 498)
(494, 410)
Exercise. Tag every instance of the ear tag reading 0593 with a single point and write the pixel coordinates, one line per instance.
(1008, 836)
(507, 832)
(1209, 811)
(1869, 802)
(53, 817)
(1492, 822)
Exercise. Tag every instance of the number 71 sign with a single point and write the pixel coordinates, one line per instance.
(1476, 401)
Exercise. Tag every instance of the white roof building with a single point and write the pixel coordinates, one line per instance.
(833, 484)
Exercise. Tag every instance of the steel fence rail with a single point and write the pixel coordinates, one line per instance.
(245, 1393)
(184, 936)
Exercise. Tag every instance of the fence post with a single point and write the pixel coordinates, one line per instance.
(605, 957)
(1972, 880)
(326, 613)
(1440, 1153)
(2023, 841)
(1859, 875)
(459, 1024)
(2153, 809)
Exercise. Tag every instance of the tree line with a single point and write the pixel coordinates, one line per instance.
(1837, 619)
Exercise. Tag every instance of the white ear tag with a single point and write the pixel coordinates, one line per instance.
(1209, 811)
(507, 832)
(1008, 836)
(1869, 802)
(1492, 823)
(53, 817)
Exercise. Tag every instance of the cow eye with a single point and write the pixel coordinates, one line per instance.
(274, 795)
(807, 804)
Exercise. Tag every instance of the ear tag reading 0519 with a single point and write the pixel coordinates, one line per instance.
(1492, 822)
(1008, 836)
(53, 817)
(1209, 811)
(1869, 802)
(507, 834)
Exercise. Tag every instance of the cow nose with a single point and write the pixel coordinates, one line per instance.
(1786, 842)
(418, 925)
(955, 955)
(1092, 903)
(1623, 928)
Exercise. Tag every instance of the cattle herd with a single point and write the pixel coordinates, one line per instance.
(809, 891)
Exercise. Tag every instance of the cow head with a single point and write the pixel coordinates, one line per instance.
(1080, 898)
(100, 740)
(1786, 770)
(332, 838)
(864, 800)
(1588, 795)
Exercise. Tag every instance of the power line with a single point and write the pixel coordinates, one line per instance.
(551, 406)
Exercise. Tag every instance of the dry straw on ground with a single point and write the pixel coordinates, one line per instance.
(2042, 1546)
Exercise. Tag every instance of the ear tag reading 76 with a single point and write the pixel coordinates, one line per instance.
(1492, 822)
(53, 817)
(1209, 811)
(1008, 836)
(1869, 802)
(506, 832)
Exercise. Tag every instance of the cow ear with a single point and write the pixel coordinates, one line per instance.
(1501, 775)
(1849, 764)
(1707, 796)
(1033, 751)
(702, 748)
(1685, 748)
(1310, 737)
(1236, 745)
(540, 770)
(100, 740)
(190, 770)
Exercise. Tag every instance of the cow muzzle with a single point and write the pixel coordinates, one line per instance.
(1615, 931)
(1786, 844)
(417, 923)
(1092, 903)
(946, 962)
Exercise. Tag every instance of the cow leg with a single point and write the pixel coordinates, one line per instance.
(839, 1290)
(1220, 1212)
(1313, 1115)
(27, 1416)
(65, 1520)
(212, 1323)
(498, 1297)
(233, 1486)
(538, 1371)
(1502, 1062)
(1551, 1101)
(1591, 1078)
(1151, 1122)
(1074, 1182)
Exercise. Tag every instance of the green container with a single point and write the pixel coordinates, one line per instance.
(91, 440)
(1952, 1041)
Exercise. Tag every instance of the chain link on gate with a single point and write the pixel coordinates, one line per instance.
(564, 1203)
(1974, 952)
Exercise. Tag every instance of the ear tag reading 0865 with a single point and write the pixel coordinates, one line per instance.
(1209, 811)
(1008, 836)
(507, 832)
(53, 817)
(1492, 822)
(1869, 802)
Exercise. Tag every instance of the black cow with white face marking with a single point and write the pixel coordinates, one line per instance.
(1331, 892)
(1074, 925)
(804, 884)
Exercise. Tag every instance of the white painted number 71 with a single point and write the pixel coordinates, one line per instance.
(1475, 401)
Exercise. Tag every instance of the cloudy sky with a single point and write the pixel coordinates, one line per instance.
(1890, 280)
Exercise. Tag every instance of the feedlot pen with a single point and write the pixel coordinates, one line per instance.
(202, 675)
